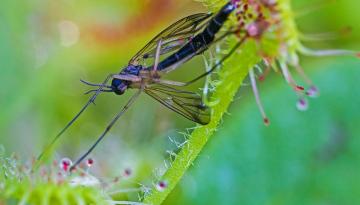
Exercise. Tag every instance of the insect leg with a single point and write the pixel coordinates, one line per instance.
(157, 55)
(208, 71)
(91, 100)
(208, 65)
(127, 105)
(240, 42)
(169, 82)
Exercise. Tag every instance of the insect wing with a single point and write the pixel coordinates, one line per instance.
(187, 104)
(173, 37)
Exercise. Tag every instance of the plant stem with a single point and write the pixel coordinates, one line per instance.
(232, 75)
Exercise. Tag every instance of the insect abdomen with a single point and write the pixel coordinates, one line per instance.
(201, 40)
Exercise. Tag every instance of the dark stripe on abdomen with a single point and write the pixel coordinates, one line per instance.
(201, 40)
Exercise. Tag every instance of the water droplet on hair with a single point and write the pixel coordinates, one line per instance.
(65, 164)
(302, 104)
(161, 185)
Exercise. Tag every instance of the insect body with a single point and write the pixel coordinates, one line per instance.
(200, 41)
(181, 41)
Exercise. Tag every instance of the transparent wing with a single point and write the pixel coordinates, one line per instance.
(173, 37)
(187, 104)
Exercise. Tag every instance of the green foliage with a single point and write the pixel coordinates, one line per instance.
(232, 75)
(301, 158)
(252, 164)
(18, 185)
(49, 193)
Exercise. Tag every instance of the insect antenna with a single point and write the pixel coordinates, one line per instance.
(94, 84)
(127, 105)
(91, 100)
(95, 90)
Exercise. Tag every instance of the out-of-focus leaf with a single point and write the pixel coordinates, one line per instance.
(301, 158)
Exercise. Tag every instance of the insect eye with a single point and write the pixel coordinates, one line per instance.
(121, 89)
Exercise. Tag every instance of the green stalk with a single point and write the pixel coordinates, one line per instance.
(232, 75)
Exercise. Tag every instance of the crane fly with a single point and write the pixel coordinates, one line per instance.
(177, 44)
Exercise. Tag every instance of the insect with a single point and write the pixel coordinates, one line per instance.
(180, 42)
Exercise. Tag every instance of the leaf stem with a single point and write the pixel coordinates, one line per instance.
(232, 74)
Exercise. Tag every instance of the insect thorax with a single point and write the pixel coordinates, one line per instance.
(131, 70)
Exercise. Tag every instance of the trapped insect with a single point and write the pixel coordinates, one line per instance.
(181, 41)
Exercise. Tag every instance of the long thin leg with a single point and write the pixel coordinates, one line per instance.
(208, 71)
(92, 99)
(157, 56)
(176, 65)
(208, 66)
(128, 104)
(169, 82)
(241, 41)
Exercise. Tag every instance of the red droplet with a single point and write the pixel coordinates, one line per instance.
(252, 30)
(127, 172)
(90, 162)
(358, 55)
(299, 88)
(261, 78)
(302, 104)
(246, 6)
(65, 164)
(312, 92)
(242, 24)
(161, 185)
(266, 121)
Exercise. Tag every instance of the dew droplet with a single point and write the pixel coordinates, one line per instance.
(252, 30)
(65, 164)
(246, 7)
(302, 104)
(89, 162)
(266, 121)
(312, 92)
(127, 172)
(299, 88)
(161, 185)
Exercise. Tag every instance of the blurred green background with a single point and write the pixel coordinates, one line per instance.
(307, 157)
